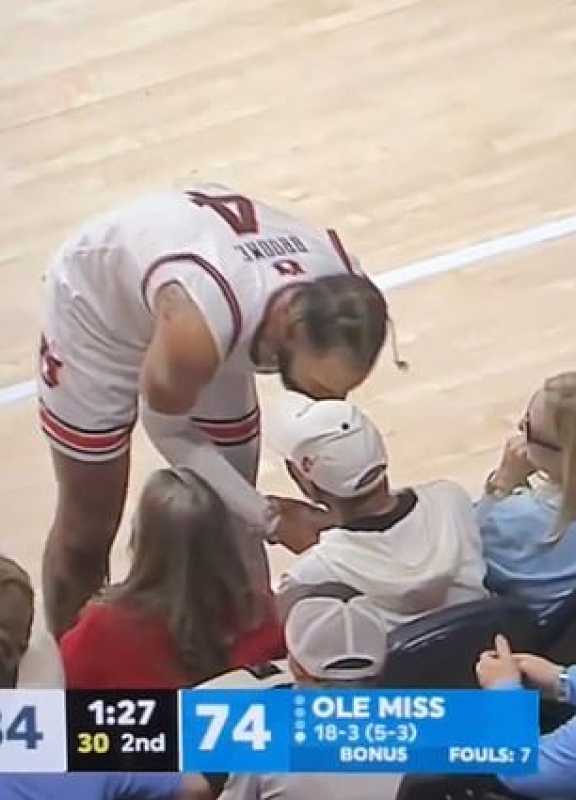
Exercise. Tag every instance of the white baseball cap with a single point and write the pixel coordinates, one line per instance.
(332, 442)
(336, 640)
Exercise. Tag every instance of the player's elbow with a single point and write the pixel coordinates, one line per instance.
(165, 399)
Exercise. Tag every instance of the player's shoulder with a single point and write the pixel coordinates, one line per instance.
(157, 205)
(213, 189)
(269, 215)
(152, 209)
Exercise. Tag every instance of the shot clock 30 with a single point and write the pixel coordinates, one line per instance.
(120, 731)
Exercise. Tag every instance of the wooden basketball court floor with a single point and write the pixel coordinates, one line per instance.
(415, 128)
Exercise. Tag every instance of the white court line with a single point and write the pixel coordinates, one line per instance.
(448, 262)
(459, 259)
(18, 391)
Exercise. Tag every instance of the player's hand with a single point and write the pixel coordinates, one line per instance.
(498, 665)
(300, 524)
(515, 467)
(539, 672)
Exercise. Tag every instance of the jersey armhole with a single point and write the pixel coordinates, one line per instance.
(207, 288)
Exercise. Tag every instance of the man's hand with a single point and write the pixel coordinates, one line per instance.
(498, 665)
(300, 523)
(514, 468)
(539, 672)
(182, 357)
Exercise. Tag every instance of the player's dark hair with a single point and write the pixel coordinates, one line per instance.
(344, 311)
(187, 568)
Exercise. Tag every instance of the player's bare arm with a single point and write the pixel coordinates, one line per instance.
(182, 357)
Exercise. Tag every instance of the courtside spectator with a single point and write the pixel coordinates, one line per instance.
(105, 786)
(502, 669)
(529, 531)
(331, 644)
(411, 551)
(186, 611)
(16, 614)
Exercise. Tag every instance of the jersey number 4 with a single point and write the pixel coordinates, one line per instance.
(234, 209)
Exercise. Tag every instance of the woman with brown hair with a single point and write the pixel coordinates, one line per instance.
(186, 610)
(528, 528)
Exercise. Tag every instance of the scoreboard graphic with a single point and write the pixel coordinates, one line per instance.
(282, 730)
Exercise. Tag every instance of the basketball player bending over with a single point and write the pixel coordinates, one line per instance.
(180, 298)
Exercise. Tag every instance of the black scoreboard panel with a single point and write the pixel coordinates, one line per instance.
(132, 731)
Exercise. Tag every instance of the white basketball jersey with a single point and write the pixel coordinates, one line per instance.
(231, 255)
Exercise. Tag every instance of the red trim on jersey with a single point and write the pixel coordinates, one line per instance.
(339, 247)
(216, 276)
(95, 443)
(231, 431)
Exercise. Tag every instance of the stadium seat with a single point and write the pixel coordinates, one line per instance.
(453, 787)
(440, 649)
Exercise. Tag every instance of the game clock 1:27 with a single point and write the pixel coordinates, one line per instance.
(134, 731)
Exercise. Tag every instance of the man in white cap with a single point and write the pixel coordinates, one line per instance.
(331, 643)
(411, 551)
(335, 643)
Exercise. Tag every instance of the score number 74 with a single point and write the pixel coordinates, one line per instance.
(250, 729)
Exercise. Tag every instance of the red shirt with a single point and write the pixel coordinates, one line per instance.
(113, 646)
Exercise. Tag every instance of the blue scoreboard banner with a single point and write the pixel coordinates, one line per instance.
(280, 730)
(356, 731)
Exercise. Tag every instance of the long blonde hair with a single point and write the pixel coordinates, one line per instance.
(560, 398)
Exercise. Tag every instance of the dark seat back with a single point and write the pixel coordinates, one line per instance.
(557, 629)
(440, 650)
(452, 787)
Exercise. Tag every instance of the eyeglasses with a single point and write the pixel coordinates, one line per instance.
(535, 440)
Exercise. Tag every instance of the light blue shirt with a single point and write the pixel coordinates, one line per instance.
(521, 562)
(556, 776)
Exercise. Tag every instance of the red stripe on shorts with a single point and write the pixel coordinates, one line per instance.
(85, 442)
